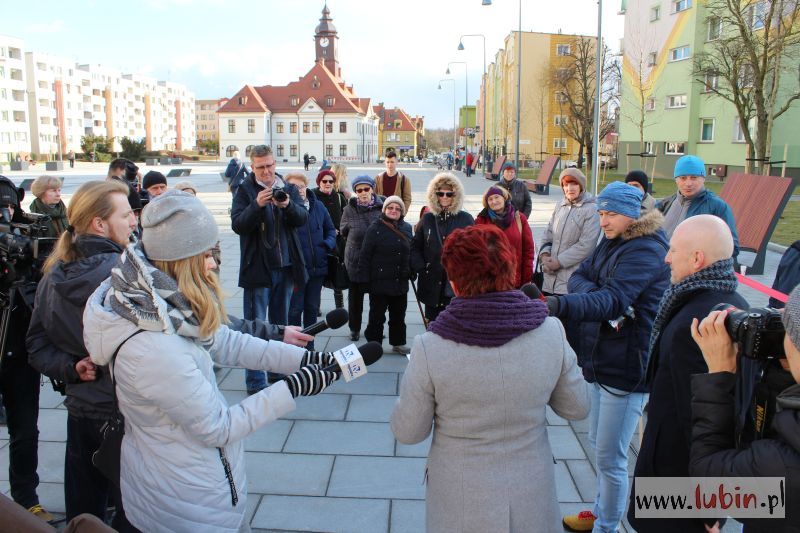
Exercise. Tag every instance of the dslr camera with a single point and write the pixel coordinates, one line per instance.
(758, 331)
(279, 194)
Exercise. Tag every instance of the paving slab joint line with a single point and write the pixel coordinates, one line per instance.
(286, 439)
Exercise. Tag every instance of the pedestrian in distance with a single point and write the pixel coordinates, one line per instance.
(236, 172)
(392, 182)
(71, 158)
(47, 201)
(500, 211)
(485, 371)
(385, 267)
(306, 161)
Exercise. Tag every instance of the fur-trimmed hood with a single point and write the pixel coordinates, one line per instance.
(445, 179)
(647, 224)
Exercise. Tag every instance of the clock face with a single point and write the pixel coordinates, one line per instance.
(324, 42)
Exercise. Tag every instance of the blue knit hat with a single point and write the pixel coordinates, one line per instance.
(508, 164)
(689, 165)
(363, 179)
(620, 198)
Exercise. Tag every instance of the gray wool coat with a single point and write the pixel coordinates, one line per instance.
(353, 227)
(490, 467)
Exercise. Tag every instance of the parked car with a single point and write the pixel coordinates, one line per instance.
(312, 159)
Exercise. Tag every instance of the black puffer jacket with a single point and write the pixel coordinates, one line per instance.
(55, 337)
(713, 453)
(355, 221)
(384, 261)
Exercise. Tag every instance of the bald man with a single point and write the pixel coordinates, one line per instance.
(702, 276)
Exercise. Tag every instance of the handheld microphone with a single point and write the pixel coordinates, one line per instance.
(333, 320)
(531, 291)
(349, 360)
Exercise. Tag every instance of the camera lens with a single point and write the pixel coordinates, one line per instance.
(280, 195)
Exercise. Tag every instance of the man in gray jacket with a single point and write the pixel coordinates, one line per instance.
(520, 195)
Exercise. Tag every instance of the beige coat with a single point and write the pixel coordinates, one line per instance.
(570, 237)
(490, 466)
(401, 189)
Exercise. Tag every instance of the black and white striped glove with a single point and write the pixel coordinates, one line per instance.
(309, 380)
(318, 358)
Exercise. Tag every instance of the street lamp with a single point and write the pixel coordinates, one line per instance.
(483, 98)
(466, 96)
(598, 92)
(454, 107)
(519, 72)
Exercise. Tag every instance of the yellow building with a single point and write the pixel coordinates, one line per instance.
(543, 117)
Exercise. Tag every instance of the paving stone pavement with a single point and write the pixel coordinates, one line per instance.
(333, 464)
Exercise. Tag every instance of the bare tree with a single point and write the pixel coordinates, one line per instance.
(637, 66)
(574, 80)
(538, 104)
(754, 45)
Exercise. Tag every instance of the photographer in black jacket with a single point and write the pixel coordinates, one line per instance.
(714, 452)
(19, 382)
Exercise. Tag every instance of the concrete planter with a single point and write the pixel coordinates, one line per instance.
(166, 161)
(151, 161)
(54, 165)
(20, 165)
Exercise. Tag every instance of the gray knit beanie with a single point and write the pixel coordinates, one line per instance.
(791, 317)
(177, 225)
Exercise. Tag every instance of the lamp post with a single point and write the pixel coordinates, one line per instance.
(483, 98)
(454, 107)
(598, 92)
(519, 73)
(466, 96)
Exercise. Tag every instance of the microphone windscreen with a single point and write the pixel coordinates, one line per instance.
(531, 291)
(370, 352)
(336, 318)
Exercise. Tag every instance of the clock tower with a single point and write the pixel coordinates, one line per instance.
(325, 41)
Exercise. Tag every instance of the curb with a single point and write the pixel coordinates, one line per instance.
(775, 247)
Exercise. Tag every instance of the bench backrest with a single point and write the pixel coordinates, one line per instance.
(546, 172)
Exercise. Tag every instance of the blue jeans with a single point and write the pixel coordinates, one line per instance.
(612, 422)
(255, 306)
(305, 303)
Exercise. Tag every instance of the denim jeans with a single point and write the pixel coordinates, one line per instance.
(305, 303)
(612, 422)
(255, 306)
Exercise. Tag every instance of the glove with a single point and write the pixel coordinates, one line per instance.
(552, 305)
(317, 358)
(309, 380)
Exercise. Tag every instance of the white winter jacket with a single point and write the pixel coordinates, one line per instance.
(178, 424)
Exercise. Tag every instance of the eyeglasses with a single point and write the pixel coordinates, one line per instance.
(449, 194)
(363, 189)
(326, 181)
(394, 208)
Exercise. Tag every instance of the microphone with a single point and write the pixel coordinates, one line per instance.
(349, 360)
(531, 291)
(333, 320)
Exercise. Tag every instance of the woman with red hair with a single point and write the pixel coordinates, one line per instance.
(486, 370)
(500, 211)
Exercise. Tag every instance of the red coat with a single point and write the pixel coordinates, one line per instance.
(521, 243)
(470, 159)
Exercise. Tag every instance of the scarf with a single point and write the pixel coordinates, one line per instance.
(370, 203)
(150, 298)
(489, 320)
(716, 277)
(57, 214)
(505, 219)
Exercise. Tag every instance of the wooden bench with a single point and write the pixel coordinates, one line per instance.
(179, 172)
(26, 183)
(496, 166)
(757, 203)
(542, 183)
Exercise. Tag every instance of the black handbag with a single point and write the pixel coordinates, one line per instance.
(337, 277)
(107, 457)
(538, 275)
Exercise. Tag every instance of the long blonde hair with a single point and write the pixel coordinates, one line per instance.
(340, 171)
(92, 199)
(201, 288)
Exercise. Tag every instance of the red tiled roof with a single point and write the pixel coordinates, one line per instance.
(390, 116)
(252, 102)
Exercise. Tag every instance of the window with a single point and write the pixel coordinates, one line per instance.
(561, 97)
(315, 127)
(279, 127)
(561, 120)
(676, 101)
(714, 25)
(251, 125)
(293, 150)
(5, 116)
(242, 100)
(680, 53)
(681, 5)
(294, 100)
(328, 150)
(343, 150)
(756, 14)
(675, 148)
(650, 104)
(655, 13)
(248, 150)
(293, 127)
(231, 125)
(648, 147)
(230, 149)
(329, 101)
(306, 127)
(560, 144)
(280, 150)
(343, 127)
(562, 50)
(707, 130)
(738, 133)
(329, 127)
(652, 57)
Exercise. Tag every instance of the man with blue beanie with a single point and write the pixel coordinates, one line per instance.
(613, 299)
(693, 199)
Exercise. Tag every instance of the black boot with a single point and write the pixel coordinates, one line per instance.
(338, 298)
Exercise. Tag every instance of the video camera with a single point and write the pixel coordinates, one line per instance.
(23, 248)
(758, 331)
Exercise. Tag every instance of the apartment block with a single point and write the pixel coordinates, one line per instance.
(205, 112)
(14, 131)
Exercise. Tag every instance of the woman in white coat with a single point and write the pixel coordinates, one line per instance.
(182, 465)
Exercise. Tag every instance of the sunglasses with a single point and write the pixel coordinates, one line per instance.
(326, 181)
(449, 194)
(359, 191)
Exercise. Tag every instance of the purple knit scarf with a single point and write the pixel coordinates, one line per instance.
(489, 320)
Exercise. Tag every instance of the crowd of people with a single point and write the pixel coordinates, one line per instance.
(128, 319)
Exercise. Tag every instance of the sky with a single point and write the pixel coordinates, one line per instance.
(392, 52)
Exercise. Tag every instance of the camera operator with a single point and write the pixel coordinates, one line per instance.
(714, 414)
(127, 172)
(19, 382)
